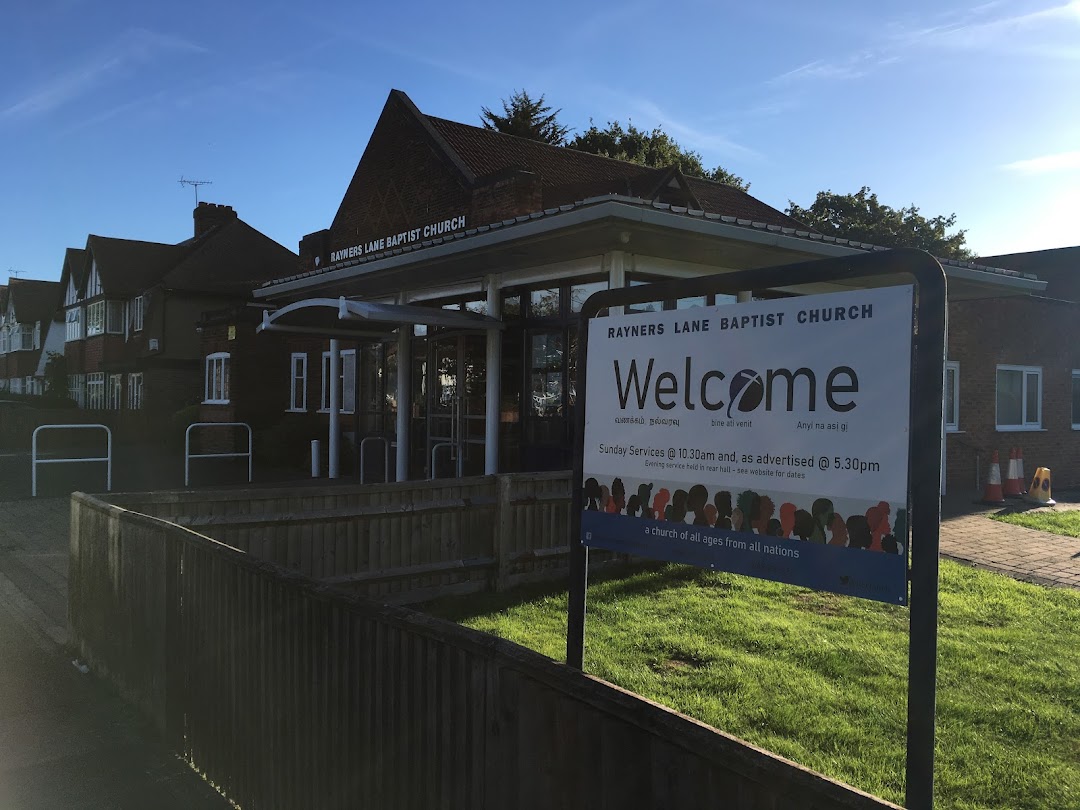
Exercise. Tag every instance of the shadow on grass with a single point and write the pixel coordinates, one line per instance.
(631, 579)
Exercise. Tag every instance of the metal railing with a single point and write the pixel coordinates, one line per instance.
(34, 460)
(187, 447)
(386, 455)
(436, 447)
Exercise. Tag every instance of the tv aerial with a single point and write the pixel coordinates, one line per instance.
(195, 185)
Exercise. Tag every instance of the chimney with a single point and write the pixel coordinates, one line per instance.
(209, 215)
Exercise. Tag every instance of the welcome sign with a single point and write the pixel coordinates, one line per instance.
(769, 439)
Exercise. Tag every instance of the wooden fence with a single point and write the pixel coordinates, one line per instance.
(404, 542)
(287, 694)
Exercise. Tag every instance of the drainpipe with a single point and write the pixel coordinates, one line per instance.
(335, 407)
(404, 370)
(493, 380)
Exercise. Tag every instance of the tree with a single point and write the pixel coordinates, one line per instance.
(861, 217)
(527, 118)
(56, 387)
(655, 148)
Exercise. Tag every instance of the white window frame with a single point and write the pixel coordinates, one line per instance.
(23, 335)
(1025, 423)
(137, 313)
(348, 384)
(298, 379)
(135, 391)
(114, 391)
(213, 395)
(95, 391)
(95, 312)
(114, 317)
(73, 319)
(952, 420)
(77, 389)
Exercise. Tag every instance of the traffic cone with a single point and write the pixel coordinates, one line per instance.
(1014, 487)
(1020, 465)
(992, 494)
(1039, 493)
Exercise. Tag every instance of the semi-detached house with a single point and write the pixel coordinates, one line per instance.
(27, 334)
(131, 310)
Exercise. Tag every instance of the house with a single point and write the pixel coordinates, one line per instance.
(1013, 378)
(131, 310)
(27, 334)
(437, 314)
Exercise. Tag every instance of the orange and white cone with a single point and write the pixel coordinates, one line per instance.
(1039, 493)
(993, 494)
(1020, 465)
(1014, 487)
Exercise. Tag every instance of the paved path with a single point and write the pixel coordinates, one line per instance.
(66, 741)
(1026, 554)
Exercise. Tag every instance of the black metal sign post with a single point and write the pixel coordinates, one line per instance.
(924, 470)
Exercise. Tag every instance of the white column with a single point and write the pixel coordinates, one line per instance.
(616, 262)
(404, 373)
(493, 373)
(335, 407)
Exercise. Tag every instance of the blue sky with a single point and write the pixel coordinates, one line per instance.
(957, 107)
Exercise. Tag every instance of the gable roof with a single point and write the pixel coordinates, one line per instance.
(232, 259)
(567, 175)
(126, 266)
(33, 300)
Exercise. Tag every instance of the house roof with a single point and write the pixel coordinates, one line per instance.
(232, 259)
(74, 266)
(126, 266)
(567, 175)
(33, 300)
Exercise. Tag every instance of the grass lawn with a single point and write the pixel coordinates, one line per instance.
(822, 679)
(1066, 522)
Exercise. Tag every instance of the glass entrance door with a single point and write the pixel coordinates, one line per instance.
(456, 413)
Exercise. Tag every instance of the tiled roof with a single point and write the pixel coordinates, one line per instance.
(128, 267)
(749, 224)
(567, 175)
(75, 264)
(33, 300)
(232, 259)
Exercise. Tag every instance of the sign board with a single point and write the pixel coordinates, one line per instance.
(768, 438)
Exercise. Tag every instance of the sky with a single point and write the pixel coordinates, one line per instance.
(966, 108)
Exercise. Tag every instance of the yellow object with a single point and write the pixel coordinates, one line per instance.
(1039, 492)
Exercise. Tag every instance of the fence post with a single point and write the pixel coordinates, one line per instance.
(502, 528)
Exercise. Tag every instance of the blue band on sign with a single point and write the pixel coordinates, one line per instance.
(850, 571)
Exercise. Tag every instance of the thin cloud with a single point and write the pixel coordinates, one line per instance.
(136, 46)
(690, 136)
(1040, 32)
(1060, 162)
(820, 69)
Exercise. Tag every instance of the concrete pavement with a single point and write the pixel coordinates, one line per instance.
(66, 741)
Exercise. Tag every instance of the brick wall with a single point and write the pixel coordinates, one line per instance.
(400, 183)
(1013, 331)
